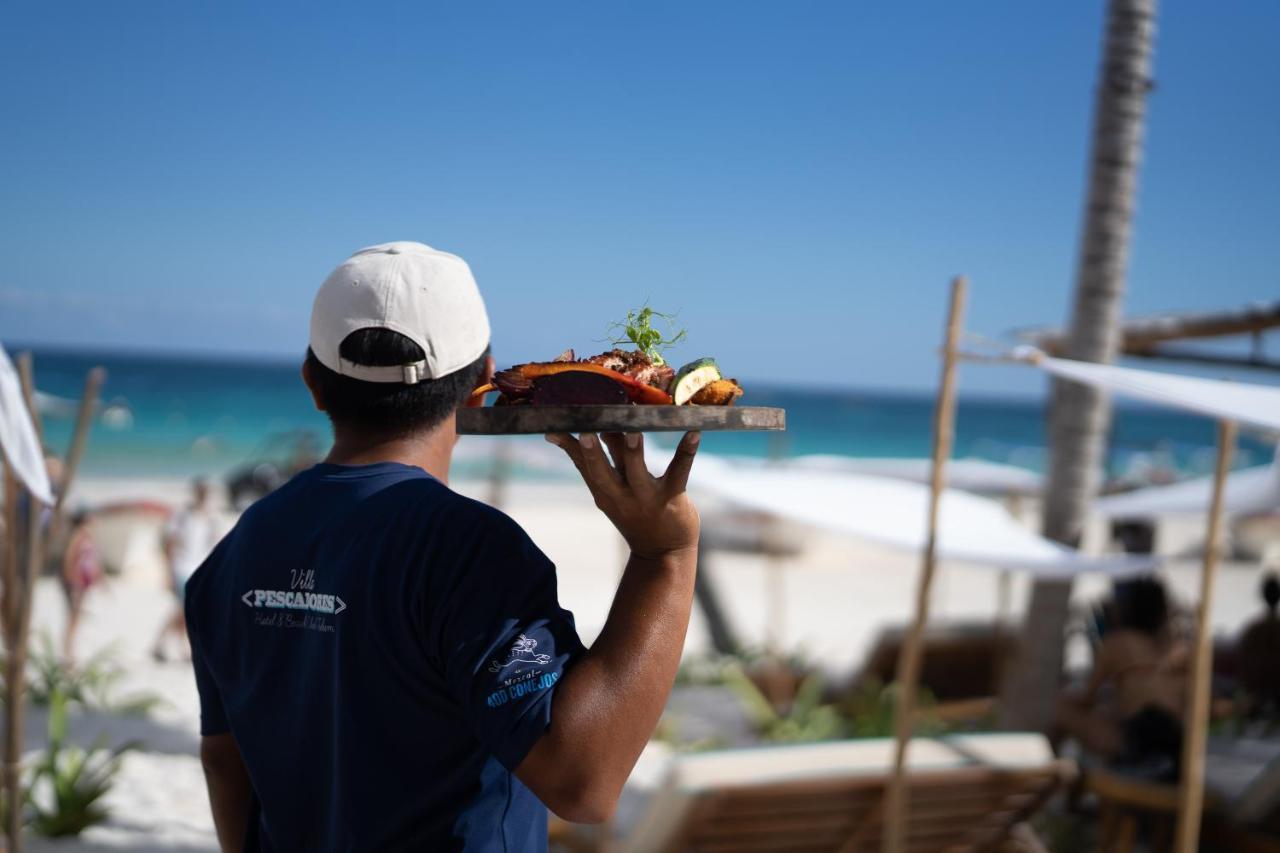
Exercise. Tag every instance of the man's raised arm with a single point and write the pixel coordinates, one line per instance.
(608, 704)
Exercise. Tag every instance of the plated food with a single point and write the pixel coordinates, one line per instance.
(639, 376)
(628, 388)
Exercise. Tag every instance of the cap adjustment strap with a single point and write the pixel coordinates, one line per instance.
(409, 374)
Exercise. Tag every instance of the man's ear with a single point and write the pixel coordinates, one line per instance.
(313, 385)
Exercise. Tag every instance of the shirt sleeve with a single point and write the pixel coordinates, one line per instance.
(506, 641)
(213, 717)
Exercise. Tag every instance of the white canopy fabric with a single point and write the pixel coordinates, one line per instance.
(892, 512)
(18, 440)
(1247, 492)
(1242, 402)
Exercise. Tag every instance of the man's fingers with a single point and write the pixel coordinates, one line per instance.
(596, 468)
(677, 477)
(613, 441)
(569, 445)
(638, 475)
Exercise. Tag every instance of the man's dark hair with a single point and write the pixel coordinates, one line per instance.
(1142, 605)
(390, 409)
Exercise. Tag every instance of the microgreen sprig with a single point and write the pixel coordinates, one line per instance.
(638, 329)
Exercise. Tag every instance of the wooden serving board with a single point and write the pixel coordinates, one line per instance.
(532, 420)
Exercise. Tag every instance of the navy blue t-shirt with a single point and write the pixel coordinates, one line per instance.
(384, 652)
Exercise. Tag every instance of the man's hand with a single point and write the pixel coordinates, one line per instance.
(653, 514)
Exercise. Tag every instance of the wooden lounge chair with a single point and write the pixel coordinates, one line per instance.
(962, 667)
(1242, 802)
(968, 793)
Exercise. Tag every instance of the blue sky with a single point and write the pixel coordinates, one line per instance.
(798, 180)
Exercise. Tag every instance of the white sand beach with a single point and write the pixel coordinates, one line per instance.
(837, 594)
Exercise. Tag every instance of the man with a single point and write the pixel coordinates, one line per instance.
(190, 534)
(382, 663)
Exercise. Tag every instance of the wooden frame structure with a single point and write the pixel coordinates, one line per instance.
(1141, 339)
(1150, 337)
(28, 544)
(965, 810)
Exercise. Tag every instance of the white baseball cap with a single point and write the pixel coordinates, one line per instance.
(426, 295)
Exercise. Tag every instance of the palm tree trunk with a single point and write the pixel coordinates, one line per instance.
(1079, 416)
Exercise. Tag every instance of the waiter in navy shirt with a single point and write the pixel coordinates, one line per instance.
(382, 663)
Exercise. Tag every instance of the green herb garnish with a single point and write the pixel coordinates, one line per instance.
(638, 329)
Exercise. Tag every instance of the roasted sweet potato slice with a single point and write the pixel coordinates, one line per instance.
(722, 392)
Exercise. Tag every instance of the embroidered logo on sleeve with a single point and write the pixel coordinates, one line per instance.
(521, 652)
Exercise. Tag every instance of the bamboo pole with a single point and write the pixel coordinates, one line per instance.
(10, 549)
(1196, 722)
(9, 778)
(1140, 336)
(84, 419)
(909, 659)
(26, 372)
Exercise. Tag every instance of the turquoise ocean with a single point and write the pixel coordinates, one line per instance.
(184, 415)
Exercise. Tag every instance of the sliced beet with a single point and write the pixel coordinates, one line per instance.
(577, 388)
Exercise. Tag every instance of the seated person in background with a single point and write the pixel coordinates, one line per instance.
(1146, 669)
(1258, 654)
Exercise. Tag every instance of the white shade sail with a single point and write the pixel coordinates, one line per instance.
(1247, 492)
(970, 475)
(1243, 402)
(18, 438)
(892, 513)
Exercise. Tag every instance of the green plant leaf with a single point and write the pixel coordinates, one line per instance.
(638, 329)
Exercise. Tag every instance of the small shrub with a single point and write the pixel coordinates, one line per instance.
(808, 719)
(90, 684)
(68, 783)
(871, 711)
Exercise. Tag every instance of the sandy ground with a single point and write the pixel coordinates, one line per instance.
(830, 602)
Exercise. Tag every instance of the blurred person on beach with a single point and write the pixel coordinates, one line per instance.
(81, 571)
(1258, 654)
(1143, 667)
(189, 537)
(382, 663)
